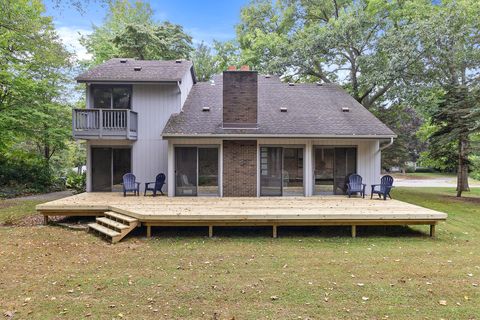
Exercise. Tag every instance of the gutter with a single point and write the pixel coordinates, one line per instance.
(293, 136)
(386, 146)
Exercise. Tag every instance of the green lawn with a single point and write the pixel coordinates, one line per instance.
(385, 273)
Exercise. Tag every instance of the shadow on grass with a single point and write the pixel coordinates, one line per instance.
(282, 232)
(257, 232)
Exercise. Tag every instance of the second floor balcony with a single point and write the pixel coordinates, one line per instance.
(105, 124)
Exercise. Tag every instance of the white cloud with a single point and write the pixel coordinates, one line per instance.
(70, 37)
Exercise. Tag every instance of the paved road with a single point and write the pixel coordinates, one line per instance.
(45, 196)
(434, 182)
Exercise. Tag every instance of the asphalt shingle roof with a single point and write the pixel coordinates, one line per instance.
(312, 110)
(114, 70)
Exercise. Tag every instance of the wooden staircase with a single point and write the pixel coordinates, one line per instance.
(113, 226)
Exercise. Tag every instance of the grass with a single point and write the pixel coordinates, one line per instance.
(13, 209)
(52, 272)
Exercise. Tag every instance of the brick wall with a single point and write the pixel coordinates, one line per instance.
(240, 95)
(240, 168)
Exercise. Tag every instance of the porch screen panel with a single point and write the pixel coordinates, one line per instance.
(345, 165)
(185, 171)
(270, 171)
(292, 174)
(102, 97)
(208, 172)
(323, 170)
(121, 165)
(121, 97)
(101, 169)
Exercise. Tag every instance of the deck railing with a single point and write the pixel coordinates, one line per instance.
(105, 123)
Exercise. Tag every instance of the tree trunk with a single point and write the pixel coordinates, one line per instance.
(462, 172)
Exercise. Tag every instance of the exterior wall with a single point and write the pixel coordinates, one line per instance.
(233, 169)
(154, 104)
(185, 87)
(240, 95)
(240, 168)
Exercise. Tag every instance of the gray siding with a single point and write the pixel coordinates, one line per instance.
(154, 104)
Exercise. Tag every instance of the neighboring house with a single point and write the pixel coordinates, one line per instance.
(242, 134)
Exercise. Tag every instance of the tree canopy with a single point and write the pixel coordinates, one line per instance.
(130, 31)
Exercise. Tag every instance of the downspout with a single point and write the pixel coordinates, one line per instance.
(386, 146)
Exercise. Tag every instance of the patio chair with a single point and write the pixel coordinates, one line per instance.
(155, 186)
(384, 188)
(355, 185)
(130, 185)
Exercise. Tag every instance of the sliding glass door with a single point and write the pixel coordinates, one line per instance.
(332, 166)
(196, 171)
(108, 167)
(281, 171)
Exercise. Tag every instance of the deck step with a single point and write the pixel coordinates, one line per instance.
(118, 216)
(112, 224)
(104, 230)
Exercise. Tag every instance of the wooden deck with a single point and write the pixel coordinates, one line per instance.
(213, 211)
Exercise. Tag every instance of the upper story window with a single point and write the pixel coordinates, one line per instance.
(112, 96)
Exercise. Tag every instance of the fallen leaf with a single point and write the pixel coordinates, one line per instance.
(360, 284)
(442, 302)
(273, 298)
(365, 298)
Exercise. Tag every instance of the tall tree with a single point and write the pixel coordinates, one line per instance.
(204, 62)
(130, 31)
(34, 116)
(451, 67)
(120, 13)
(365, 45)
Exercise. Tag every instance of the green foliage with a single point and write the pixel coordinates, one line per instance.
(204, 62)
(76, 181)
(34, 116)
(24, 173)
(129, 31)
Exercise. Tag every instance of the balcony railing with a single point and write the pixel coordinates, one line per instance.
(105, 124)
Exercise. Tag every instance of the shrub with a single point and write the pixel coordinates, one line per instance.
(425, 170)
(24, 174)
(77, 182)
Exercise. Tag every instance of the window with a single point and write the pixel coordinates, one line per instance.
(112, 97)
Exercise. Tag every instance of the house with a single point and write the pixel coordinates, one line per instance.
(240, 135)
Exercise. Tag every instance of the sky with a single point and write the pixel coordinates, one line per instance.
(204, 20)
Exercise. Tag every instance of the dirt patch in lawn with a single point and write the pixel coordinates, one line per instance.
(472, 200)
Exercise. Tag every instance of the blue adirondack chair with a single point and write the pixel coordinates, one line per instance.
(386, 184)
(130, 185)
(155, 186)
(355, 185)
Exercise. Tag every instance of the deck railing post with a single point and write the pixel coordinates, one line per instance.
(100, 122)
(128, 124)
(74, 120)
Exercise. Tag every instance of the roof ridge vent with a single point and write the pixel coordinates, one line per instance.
(319, 83)
(268, 76)
(283, 109)
(212, 82)
(123, 60)
(345, 109)
(178, 61)
(206, 109)
(291, 84)
(137, 68)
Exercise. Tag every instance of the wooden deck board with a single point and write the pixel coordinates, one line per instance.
(248, 210)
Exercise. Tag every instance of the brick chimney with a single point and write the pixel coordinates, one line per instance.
(240, 97)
